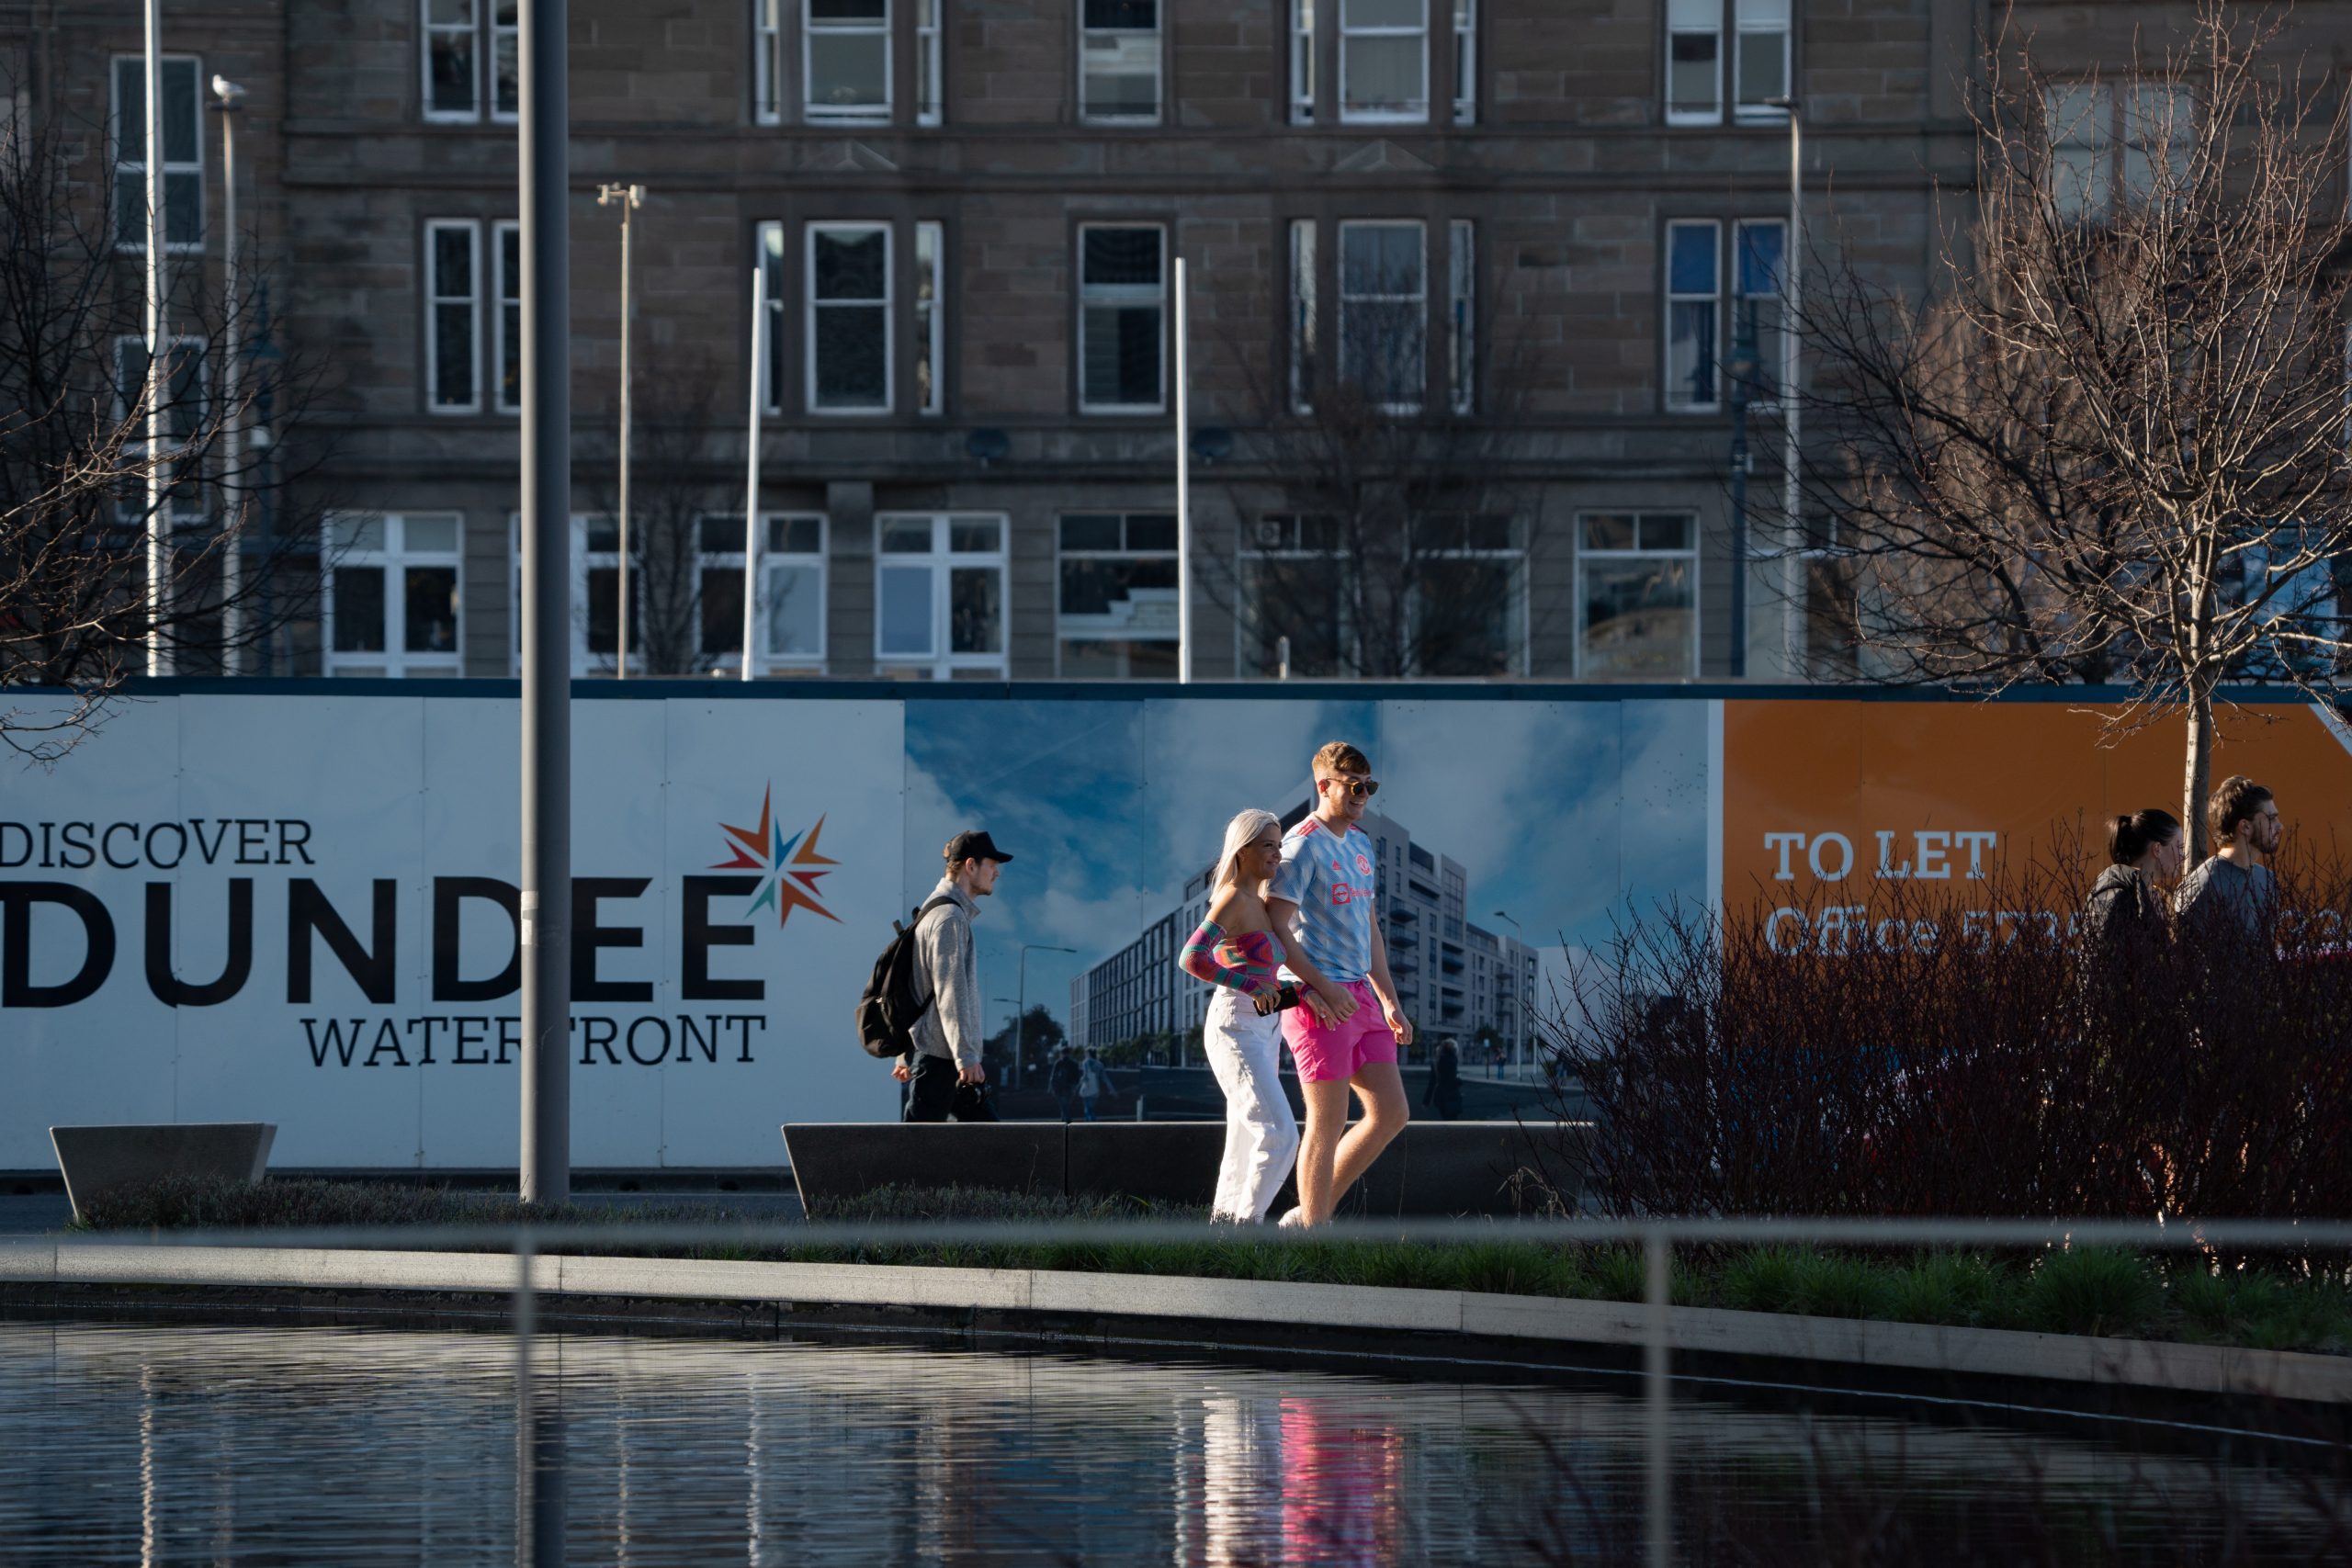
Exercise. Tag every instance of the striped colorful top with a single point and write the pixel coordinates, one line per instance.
(1245, 963)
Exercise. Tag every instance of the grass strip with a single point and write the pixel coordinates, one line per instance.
(2095, 1290)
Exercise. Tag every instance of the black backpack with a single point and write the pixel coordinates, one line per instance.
(888, 1011)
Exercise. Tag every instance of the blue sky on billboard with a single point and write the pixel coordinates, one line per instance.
(1559, 813)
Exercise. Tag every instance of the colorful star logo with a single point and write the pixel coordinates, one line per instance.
(787, 867)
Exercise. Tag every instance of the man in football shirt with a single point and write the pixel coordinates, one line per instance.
(1323, 901)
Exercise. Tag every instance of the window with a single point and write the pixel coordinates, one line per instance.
(1116, 612)
(848, 323)
(1694, 85)
(1301, 61)
(390, 587)
(1304, 359)
(1693, 298)
(1466, 598)
(1757, 249)
(1384, 60)
(184, 411)
(508, 236)
(1465, 62)
(1118, 61)
(789, 629)
(939, 593)
(1462, 315)
(770, 260)
(452, 315)
(2106, 139)
(1760, 56)
(183, 129)
(1122, 317)
(1637, 596)
(1296, 597)
(1449, 601)
(1384, 312)
(928, 97)
(847, 55)
(453, 34)
(930, 314)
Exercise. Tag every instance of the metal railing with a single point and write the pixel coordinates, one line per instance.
(540, 1441)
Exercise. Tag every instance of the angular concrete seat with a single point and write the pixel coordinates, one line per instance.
(832, 1161)
(96, 1161)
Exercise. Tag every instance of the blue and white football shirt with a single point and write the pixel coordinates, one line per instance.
(1334, 882)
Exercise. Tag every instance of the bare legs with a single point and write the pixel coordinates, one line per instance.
(1333, 1155)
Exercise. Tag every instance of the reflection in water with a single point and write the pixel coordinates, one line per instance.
(144, 1445)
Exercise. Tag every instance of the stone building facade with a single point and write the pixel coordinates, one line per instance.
(1551, 214)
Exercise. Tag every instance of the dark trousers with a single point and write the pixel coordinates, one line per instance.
(933, 1095)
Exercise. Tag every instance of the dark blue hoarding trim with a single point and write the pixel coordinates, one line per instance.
(713, 688)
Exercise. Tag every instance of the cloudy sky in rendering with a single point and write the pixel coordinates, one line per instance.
(1562, 814)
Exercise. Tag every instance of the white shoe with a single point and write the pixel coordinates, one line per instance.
(1292, 1220)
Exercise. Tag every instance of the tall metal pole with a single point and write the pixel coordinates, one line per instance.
(159, 373)
(1791, 506)
(1183, 491)
(752, 474)
(232, 477)
(630, 197)
(547, 606)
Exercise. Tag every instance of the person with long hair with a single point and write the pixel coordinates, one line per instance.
(2125, 916)
(1235, 950)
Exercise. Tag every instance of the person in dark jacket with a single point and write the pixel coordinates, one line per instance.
(2125, 916)
(1064, 1083)
(1444, 1092)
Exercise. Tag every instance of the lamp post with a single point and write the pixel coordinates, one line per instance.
(159, 545)
(1742, 371)
(1791, 300)
(630, 197)
(230, 97)
(1020, 1019)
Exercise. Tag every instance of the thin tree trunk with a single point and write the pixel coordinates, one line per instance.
(2197, 777)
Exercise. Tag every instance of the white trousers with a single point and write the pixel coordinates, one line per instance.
(1245, 1052)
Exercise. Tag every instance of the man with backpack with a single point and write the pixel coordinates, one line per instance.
(940, 1061)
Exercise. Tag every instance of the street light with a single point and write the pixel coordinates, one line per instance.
(1020, 1019)
(1742, 370)
(230, 96)
(1791, 300)
(629, 198)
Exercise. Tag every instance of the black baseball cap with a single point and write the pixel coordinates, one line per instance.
(974, 846)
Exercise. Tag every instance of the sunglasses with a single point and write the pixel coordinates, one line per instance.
(1358, 788)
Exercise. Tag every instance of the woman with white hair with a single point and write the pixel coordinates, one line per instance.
(1236, 951)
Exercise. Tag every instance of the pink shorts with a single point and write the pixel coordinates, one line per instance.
(1361, 1039)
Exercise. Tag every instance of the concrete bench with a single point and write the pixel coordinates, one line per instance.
(96, 1161)
(1432, 1169)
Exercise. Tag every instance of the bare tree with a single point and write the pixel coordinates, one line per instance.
(2110, 444)
(76, 610)
(1394, 530)
(685, 504)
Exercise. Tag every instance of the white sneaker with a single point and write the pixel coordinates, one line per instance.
(1292, 1220)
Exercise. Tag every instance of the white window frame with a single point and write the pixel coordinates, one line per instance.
(1301, 61)
(772, 560)
(767, 251)
(1738, 296)
(501, 346)
(1419, 300)
(810, 305)
(1306, 328)
(940, 663)
(435, 299)
(393, 559)
(482, 26)
(130, 157)
(1714, 302)
(814, 113)
(1693, 19)
(1461, 314)
(930, 65)
(1126, 295)
(1158, 33)
(1383, 117)
(767, 62)
(931, 315)
(1065, 634)
(1693, 555)
(1465, 62)
(126, 403)
(1754, 20)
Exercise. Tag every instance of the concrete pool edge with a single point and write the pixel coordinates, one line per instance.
(1893, 1348)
